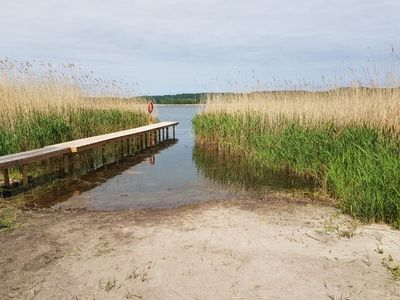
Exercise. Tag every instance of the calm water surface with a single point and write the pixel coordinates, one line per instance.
(177, 174)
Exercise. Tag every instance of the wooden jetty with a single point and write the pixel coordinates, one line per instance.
(131, 140)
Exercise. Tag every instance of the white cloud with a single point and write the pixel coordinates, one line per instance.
(177, 46)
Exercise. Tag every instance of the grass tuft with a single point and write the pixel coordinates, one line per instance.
(8, 216)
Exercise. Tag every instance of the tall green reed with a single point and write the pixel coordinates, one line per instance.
(356, 163)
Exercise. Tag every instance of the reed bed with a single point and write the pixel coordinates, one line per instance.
(373, 107)
(347, 139)
(43, 104)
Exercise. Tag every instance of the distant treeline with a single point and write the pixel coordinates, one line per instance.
(176, 99)
(197, 97)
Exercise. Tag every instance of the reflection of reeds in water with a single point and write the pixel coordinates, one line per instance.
(348, 139)
(44, 104)
(238, 172)
(93, 174)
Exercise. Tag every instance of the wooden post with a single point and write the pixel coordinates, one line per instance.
(156, 132)
(65, 164)
(134, 145)
(128, 145)
(77, 164)
(115, 151)
(159, 135)
(167, 130)
(6, 174)
(83, 162)
(103, 155)
(173, 132)
(25, 181)
(148, 134)
(122, 148)
(49, 166)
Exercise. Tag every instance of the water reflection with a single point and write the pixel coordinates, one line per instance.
(240, 174)
(70, 189)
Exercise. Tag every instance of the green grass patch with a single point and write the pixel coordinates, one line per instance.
(8, 216)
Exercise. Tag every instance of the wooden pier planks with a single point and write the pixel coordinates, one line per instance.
(87, 143)
(23, 158)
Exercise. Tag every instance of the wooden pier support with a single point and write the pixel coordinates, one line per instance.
(138, 142)
(134, 145)
(144, 143)
(173, 133)
(150, 139)
(122, 148)
(128, 146)
(103, 155)
(77, 164)
(25, 180)
(65, 164)
(115, 152)
(49, 166)
(6, 175)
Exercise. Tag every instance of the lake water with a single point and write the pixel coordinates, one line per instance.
(172, 175)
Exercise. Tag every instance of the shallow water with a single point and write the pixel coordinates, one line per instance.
(169, 176)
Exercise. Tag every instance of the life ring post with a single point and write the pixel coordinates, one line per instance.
(150, 109)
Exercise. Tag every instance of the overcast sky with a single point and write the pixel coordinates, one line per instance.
(175, 46)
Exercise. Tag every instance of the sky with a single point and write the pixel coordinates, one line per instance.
(181, 46)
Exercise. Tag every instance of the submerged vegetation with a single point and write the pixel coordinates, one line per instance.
(240, 172)
(348, 140)
(44, 104)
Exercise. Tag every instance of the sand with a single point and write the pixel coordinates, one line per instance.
(269, 249)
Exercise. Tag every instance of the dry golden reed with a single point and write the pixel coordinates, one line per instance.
(376, 107)
(27, 87)
(43, 104)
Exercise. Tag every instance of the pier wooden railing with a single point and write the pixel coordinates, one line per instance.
(140, 138)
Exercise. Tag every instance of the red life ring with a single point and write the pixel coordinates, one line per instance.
(150, 107)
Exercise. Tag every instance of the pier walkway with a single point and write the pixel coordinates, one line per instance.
(130, 140)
